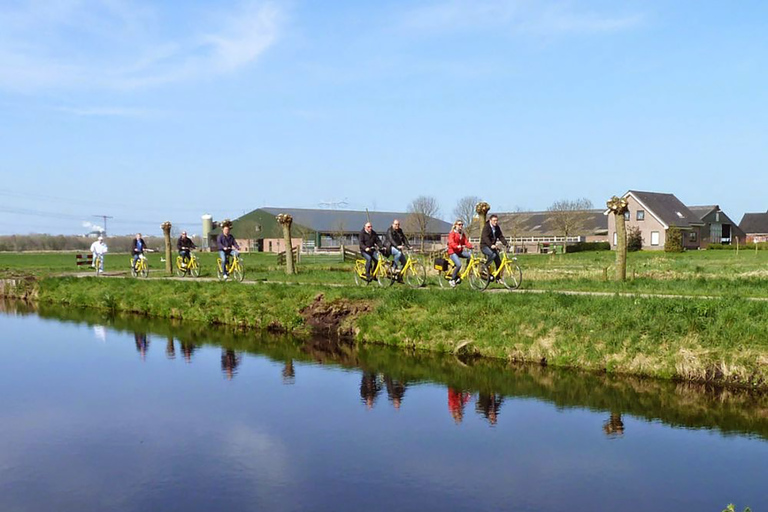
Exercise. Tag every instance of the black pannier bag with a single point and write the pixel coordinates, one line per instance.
(441, 264)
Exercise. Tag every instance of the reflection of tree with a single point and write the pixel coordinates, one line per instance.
(488, 405)
(395, 390)
(170, 348)
(370, 387)
(456, 402)
(289, 373)
(187, 349)
(614, 427)
(230, 360)
(142, 344)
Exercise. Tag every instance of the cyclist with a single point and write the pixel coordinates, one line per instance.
(490, 241)
(227, 246)
(99, 249)
(185, 246)
(369, 242)
(137, 249)
(395, 241)
(457, 248)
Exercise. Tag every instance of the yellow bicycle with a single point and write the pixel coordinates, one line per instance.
(414, 273)
(235, 268)
(508, 273)
(472, 270)
(96, 264)
(141, 268)
(187, 266)
(379, 272)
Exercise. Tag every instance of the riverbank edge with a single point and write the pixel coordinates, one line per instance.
(673, 339)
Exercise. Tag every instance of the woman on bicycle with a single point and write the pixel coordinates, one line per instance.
(458, 246)
(138, 248)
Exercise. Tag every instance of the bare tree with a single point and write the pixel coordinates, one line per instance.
(339, 229)
(465, 210)
(569, 216)
(420, 211)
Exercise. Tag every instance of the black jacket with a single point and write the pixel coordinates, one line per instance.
(395, 238)
(487, 238)
(185, 243)
(368, 241)
(135, 247)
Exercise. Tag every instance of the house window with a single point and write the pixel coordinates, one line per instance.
(615, 239)
(692, 236)
(640, 215)
(270, 246)
(655, 238)
(626, 215)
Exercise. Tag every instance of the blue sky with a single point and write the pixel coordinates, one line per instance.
(152, 111)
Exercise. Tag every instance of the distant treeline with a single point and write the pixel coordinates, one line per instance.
(20, 243)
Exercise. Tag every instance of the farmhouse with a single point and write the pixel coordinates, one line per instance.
(318, 229)
(537, 231)
(755, 227)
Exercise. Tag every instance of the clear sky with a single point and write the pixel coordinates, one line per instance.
(150, 111)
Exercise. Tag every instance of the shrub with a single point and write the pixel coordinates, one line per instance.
(674, 241)
(634, 239)
(589, 246)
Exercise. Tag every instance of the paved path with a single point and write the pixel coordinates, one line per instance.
(490, 290)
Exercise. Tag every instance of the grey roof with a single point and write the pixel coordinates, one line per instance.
(667, 208)
(329, 221)
(752, 223)
(523, 224)
(703, 211)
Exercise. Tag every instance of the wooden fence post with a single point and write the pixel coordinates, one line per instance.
(167, 235)
(286, 220)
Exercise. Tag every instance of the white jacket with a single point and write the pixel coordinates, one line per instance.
(99, 248)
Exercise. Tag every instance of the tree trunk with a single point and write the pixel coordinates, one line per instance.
(167, 235)
(286, 220)
(621, 247)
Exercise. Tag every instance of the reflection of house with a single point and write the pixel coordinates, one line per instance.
(529, 229)
(654, 213)
(317, 229)
(755, 227)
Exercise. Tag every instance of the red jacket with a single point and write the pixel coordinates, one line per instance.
(455, 240)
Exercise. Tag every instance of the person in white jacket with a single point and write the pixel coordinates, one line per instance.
(99, 248)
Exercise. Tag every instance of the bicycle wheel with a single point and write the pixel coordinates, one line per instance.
(180, 271)
(194, 267)
(479, 277)
(238, 270)
(416, 274)
(384, 275)
(444, 277)
(144, 270)
(219, 272)
(133, 269)
(511, 276)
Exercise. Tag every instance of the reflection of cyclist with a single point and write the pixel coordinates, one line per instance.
(370, 387)
(456, 402)
(395, 241)
(142, 344)
(488, 404)
(369, 242)
(395, 390)
(185, 246)
(457, 248)
(230, 360)
(227, 245)
(99, 249)
(138, 248)
(490, 240)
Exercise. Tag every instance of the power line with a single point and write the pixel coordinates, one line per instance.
(105, 217)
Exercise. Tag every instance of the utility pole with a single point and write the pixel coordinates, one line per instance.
(104, 217)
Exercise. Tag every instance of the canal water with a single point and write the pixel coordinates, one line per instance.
(124, 414)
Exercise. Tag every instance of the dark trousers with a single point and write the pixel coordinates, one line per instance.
(493, 255)
(370, 258)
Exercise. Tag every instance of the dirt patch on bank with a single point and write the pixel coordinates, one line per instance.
(336, 317)
(22, 287)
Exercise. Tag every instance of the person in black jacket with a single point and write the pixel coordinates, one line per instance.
(369, 242)
(185, 246)
(137, 248)
(395, 242)
(489, 240)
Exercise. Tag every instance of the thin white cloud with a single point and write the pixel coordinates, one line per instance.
(517, 16)
(123, 44)
(105, 111)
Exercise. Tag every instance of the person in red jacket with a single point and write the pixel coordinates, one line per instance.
(458, 247)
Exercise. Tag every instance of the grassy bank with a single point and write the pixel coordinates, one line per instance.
(720, 340)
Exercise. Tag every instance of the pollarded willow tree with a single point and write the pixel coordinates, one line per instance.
(166, 227)
(618, 207)
(286, 220)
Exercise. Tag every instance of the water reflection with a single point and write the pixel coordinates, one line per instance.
(370, 387)
(488, 405)
(230, 361)
(142, 344)
(289, 372)
(456, 402)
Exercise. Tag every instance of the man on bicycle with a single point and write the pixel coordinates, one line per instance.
(395, 241)
(369, 243)
(138, 248)
(99, 249)
(227, 246)
(490, 240)
(457, 248)
(185, 246)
